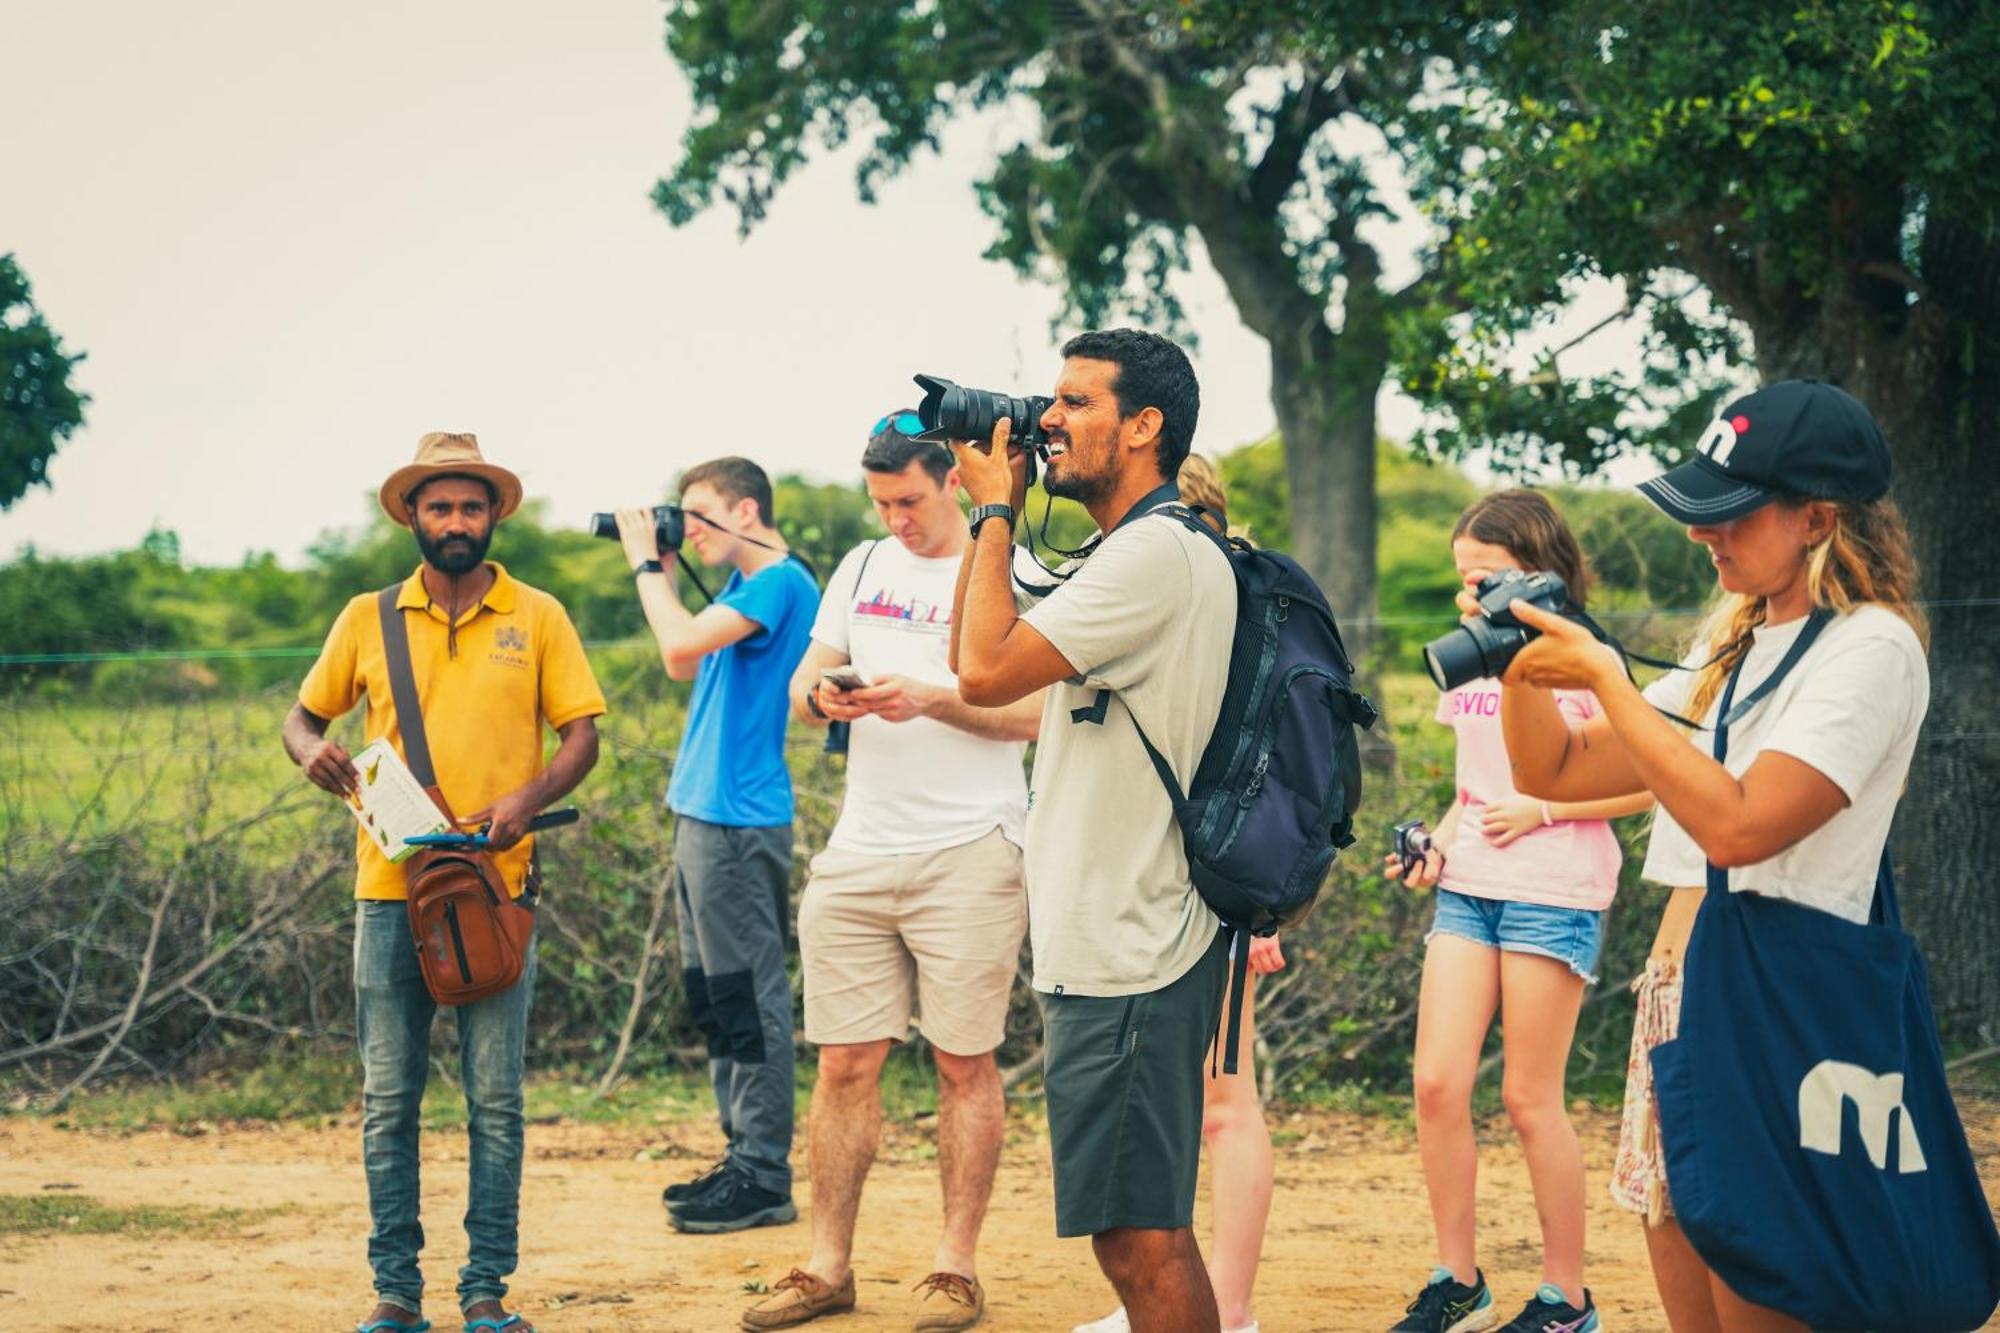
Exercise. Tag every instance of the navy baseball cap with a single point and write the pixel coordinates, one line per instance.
(1796, 437)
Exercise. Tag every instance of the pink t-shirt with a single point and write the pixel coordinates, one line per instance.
(1570, 863)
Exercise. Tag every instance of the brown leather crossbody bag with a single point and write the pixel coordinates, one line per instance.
(472, 939)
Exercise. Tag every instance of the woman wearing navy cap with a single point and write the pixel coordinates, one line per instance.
(1788, 491)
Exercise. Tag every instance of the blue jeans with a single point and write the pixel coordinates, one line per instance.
(392, 1018)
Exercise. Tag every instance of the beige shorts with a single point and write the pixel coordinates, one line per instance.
(933, 936)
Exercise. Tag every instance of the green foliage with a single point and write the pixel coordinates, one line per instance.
(1759, 165)
(66, 1214)
(38, 406)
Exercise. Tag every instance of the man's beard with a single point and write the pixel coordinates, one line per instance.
(1074, 485)
(455, 554)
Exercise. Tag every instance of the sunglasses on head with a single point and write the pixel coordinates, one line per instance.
(906, 422)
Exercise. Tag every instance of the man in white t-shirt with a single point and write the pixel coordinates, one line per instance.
(915, 910)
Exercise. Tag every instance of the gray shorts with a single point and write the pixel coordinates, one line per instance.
(1125, 1077)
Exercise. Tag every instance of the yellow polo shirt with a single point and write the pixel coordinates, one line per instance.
(518, 664)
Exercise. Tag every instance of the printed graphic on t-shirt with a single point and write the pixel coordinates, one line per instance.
(916, 614)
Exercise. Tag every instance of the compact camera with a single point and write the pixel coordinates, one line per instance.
(1413, 841)
(1484, 646)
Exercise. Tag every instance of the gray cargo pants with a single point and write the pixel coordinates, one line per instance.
(732, 894)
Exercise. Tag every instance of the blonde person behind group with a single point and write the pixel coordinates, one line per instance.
(1233, 1129)
(1522, 885)
(1787, 492)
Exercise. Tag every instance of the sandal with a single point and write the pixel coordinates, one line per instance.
(513, 1321)
(422, 1325)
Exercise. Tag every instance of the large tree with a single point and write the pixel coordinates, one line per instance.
(1151, 132)
(1814, 188)
(38, 406)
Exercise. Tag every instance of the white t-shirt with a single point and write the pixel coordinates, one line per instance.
(1851, 709)
(1150, 616)
(921, 785)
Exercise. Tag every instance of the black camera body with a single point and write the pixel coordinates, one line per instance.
(1485, 646)
(951, 412)
(1413, 842)
(669, 525)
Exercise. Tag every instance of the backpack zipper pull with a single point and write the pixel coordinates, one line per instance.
(1256, 779)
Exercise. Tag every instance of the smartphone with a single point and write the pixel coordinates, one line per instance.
(844, 678)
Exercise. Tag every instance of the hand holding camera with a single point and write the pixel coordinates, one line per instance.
(1416, 860)
(987, 473)
(1564, 656)
(1493, 633)
(646, 534)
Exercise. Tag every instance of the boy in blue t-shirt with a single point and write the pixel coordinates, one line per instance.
(732, 801)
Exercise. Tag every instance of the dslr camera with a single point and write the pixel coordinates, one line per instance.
(1486, 645)
(951, 412)
(669, 525)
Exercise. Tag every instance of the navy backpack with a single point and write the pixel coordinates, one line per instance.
(1274, 795)
(1814, 1156)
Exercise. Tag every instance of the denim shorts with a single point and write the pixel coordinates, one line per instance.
(1570, 935)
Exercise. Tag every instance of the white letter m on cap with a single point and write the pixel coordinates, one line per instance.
(1828, 1085)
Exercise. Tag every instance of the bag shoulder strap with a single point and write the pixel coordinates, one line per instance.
(403, 687)
(1729, 711)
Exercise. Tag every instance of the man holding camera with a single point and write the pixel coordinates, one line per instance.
(493, 661)
(915, 908)
(732, 801)
(1129, 961)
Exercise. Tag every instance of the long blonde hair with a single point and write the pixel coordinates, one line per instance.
(1866, 558)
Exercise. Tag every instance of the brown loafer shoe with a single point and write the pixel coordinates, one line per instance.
(947, 1300)
(800, 1296)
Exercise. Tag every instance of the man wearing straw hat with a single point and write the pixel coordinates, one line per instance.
(494, 659)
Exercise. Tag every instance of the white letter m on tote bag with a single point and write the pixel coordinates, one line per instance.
(1832, 1082)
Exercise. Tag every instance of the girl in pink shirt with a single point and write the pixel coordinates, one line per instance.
(1522, 887)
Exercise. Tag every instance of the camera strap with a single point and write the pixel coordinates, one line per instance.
(1735, 711)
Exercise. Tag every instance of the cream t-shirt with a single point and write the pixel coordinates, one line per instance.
(1851, 709)
(1150, 616)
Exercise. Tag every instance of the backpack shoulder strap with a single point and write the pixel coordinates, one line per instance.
(403, 687)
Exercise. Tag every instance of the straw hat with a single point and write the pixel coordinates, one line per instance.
(443, 454)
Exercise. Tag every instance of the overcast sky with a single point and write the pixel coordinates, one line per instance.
(294, 238)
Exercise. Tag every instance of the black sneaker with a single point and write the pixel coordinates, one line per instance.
(1446, 1305)
(1549, 1311)
(701, 1184)
(734, 1203)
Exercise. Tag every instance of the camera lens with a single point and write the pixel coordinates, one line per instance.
(1472, 651)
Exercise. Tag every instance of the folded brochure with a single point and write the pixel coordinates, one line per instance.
(390, 804)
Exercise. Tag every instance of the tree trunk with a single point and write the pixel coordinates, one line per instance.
(1326, 414)
(1932, 379)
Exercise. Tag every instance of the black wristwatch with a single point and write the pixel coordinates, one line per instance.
(648, 567)
(984, 512)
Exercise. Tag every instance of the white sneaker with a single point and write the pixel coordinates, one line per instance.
(1250, 1327)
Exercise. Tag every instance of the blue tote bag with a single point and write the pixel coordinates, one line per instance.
(1814, 1155)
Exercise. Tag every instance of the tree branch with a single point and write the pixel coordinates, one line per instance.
(1297, 119)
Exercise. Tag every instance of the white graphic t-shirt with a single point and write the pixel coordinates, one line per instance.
(921, 785)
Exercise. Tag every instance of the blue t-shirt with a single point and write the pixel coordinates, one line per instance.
(731, 767)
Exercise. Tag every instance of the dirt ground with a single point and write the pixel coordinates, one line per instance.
(1349, 1235)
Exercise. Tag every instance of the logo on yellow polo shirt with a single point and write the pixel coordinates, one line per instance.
(510, 646)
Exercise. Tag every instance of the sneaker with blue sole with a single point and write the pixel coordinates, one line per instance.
(1446, 1305)
(1549, 1311)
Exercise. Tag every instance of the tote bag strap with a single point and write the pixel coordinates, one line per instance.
(1729, 711)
